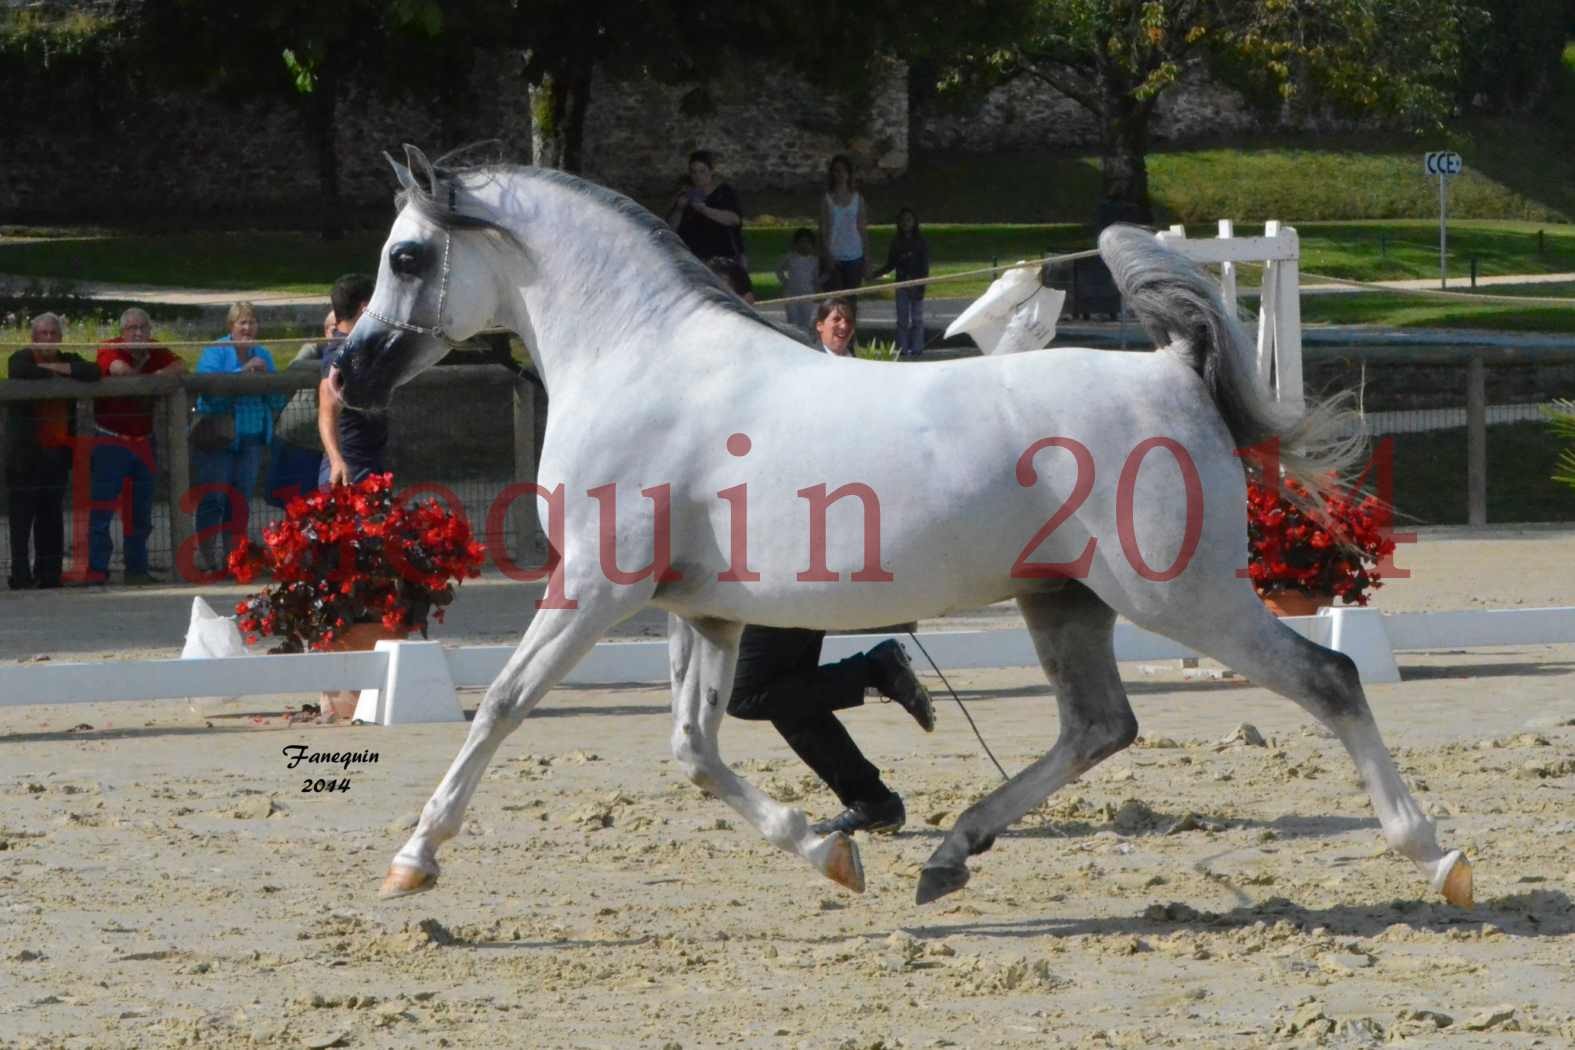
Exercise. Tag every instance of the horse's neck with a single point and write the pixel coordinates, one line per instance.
(602, 298)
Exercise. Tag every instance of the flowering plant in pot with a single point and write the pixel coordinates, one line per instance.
(1332, 553)
(353, 554)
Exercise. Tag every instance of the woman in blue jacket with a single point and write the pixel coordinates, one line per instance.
(229, 436)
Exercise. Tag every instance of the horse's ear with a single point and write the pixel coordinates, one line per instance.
(407, 181)
(421, 168)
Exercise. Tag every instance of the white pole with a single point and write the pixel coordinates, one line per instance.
(1227, 229)
(1443, 275)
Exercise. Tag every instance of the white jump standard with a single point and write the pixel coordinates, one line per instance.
(690, 437)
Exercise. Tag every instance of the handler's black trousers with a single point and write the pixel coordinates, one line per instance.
(780, 680)
(36, 490)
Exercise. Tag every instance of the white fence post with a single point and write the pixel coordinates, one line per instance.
(1279, 305)
(1287, 317)
(1228, 270)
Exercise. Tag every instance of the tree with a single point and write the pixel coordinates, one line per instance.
(303, 52)
(1517, 60)
(564, 42)
(1396, 59)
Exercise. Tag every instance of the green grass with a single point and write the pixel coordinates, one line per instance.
(1363, 251)
(301, 263)
(1361, 204)
(1430, 468)
(1518, 170)
(250, 260)
(1403, 310)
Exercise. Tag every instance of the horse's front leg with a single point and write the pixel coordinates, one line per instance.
(553, 644)
(704, 654)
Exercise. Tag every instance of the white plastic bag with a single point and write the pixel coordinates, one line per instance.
(210, 635)
(1016, 313)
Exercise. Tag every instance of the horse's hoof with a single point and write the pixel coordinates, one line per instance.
(841, 863)
(1457, 888)
(402, 882)
(935, 883)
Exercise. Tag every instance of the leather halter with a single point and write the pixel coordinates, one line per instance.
(436, 329)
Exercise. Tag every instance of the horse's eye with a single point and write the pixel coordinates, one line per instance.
(407, 258)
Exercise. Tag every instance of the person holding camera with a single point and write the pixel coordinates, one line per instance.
(708, 217)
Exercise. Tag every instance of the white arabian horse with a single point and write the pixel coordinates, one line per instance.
(698, 460)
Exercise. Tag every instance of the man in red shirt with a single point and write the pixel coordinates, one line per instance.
(123, 449)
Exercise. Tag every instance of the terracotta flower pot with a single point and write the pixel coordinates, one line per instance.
(357, 638)
(1296, 603)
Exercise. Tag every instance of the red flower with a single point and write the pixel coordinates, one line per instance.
(353, 553)
(1331, 545)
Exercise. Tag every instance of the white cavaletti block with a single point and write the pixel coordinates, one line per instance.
(418, 688)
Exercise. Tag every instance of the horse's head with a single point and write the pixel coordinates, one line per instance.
(436, 287)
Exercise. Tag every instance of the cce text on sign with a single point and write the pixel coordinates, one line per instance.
(1442, 162)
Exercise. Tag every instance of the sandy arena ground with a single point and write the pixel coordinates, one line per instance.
(164, 880)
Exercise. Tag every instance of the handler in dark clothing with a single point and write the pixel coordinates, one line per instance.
(780, 679)
(354, 442)
(39, 437)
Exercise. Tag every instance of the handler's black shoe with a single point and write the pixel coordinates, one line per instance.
(885, 817)
(894, 677)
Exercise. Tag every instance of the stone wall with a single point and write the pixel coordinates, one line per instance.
(85, 156)
(769, 128)
(192, 157)
(1025, 114)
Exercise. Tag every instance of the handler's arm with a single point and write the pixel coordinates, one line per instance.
(328, 409)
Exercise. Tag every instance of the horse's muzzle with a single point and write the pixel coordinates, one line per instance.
(370, 366)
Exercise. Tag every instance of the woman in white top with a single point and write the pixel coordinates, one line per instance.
(844, 240)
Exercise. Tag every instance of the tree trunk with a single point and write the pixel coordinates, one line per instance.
(558, 108)
(1124, 126)
(321, 119)
(921, 92)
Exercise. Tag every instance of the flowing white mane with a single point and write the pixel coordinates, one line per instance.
(459, 200)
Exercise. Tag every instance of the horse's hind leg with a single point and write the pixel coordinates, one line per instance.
(553, 644)
(1072, 633)
(704, 654)
(1325, 683)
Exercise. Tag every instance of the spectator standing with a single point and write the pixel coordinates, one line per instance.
(39, 437)
(123, 450)
(909, 256)
(799, 272)
(708, 216)
(733, 275)
(296, 457)
(355, 442)
(844, 237)
(229, 436)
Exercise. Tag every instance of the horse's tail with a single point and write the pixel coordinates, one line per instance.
(1180, 307)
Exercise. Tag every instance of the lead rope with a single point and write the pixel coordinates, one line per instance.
(960, 704)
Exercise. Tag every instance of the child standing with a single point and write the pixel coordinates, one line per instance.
(799, 272)
(910, 257)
